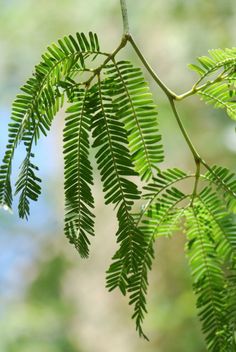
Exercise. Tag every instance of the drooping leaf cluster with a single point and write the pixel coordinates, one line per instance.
(110, 109)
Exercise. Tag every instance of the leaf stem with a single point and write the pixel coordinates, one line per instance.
(197, 177)
(167, 91)
(196, 156)
(125, 18)
(161, 84)
(195, 89)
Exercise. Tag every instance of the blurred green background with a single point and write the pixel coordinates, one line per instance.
(51, 300)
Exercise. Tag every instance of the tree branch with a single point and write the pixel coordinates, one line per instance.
(125, 19)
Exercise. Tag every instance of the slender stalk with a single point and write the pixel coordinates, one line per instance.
(197, 177)
(167, 91)
(195, 89)
(198, 160)
(162, 85)
(125, 18)
(207, 166)
(184, 132)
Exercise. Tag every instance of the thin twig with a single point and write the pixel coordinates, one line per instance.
(184, 132)
(125, 18)
(167, 91)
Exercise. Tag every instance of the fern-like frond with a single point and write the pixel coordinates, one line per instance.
(219, 95)
(222, 224)
(221, 91)
(162, 212)
(163, 180)
(225, 182)
(16, 129)
(217, 59)
(114, 163)
(129, 254)
(159, 219)
(138, 283)
(79, 223)
(33, 111)
(134, 105)
(49, 106)
(28, 184)
(208, 280)
(117, 273)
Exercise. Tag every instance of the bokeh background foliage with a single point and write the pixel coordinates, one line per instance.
(51, 300)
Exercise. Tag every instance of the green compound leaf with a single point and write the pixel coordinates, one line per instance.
(225, 182)
(115, 165)
(134, 105)
(221, 91)
(218, 59)
(219, 95)
(79, 223)
(34, 110)
(222, 223)
(209, 280)
(159, 219)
